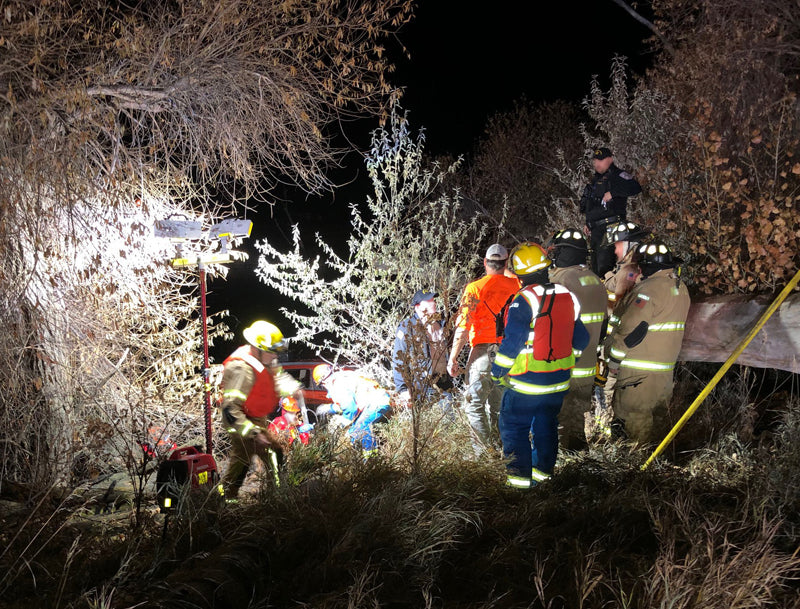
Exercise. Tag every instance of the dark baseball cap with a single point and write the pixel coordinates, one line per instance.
(422, 296)
(601, 153)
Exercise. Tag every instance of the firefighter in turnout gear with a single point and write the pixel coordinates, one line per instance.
(252, 383)
(356, 398)
(569, 251)
(624, 237)
(642, 347)
(543, 334)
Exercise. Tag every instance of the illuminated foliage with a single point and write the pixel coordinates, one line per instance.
(114, 115)
(413, 235)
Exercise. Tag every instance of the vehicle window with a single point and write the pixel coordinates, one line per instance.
(302, 375)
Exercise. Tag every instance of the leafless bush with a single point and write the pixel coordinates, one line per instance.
(115, 115)
(410, 237)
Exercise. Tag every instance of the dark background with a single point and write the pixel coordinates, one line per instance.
(467, 62)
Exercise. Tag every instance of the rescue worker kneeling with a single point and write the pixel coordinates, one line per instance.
(543, 334)
(360, 400)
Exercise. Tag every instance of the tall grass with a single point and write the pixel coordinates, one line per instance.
(716, 526)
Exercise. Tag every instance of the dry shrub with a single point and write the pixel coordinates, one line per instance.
(781, 487)
(724, 561)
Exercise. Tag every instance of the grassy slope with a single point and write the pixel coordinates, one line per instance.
(716, 529)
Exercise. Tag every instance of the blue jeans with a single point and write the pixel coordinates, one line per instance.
(482, 397)
(362, 428)
(529, 431)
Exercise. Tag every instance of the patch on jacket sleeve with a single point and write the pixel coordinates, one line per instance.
(625, 175)
(640, 302)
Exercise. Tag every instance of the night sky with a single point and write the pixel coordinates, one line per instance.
(466, 64)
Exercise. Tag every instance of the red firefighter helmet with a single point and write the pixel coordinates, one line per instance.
(290, 404)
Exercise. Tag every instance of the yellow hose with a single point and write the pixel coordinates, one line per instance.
(728, 363)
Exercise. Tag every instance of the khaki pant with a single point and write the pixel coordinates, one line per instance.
(482, 397)
(641, 400)
(571, 419)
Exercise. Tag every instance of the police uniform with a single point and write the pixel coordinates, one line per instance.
(591, 295)
(645, 339)
(599, 213)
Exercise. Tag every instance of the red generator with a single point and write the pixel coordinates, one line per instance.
(186, 470)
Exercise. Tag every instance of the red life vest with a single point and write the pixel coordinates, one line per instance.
(555, 311)
(553, 307)
(262, 399)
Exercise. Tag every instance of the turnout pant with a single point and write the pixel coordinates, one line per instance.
(577, 402)
(641, 400)
(242, 452)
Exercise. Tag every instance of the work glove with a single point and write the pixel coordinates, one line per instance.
(324, 410)
(305, 428)
(600, 379)
(601, 374)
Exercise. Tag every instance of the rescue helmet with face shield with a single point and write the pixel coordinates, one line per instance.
(656, 256)
(625, 231)
(265, 336)
(568, 247)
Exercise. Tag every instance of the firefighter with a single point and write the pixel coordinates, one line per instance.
(643, 344)
(252, 382)
(289, 425)
(477, 323)
(543, 332)
(360, 400)
(624, 237)
(605, 201)
(569, 252)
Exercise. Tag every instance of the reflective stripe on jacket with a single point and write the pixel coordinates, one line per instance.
(651, 320)
(262, 399)
(591, 294)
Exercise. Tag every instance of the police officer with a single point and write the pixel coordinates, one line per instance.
(643, 346)
(605, 201)
(569, 252)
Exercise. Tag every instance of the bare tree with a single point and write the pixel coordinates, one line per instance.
(516, 162)
(114, 114)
